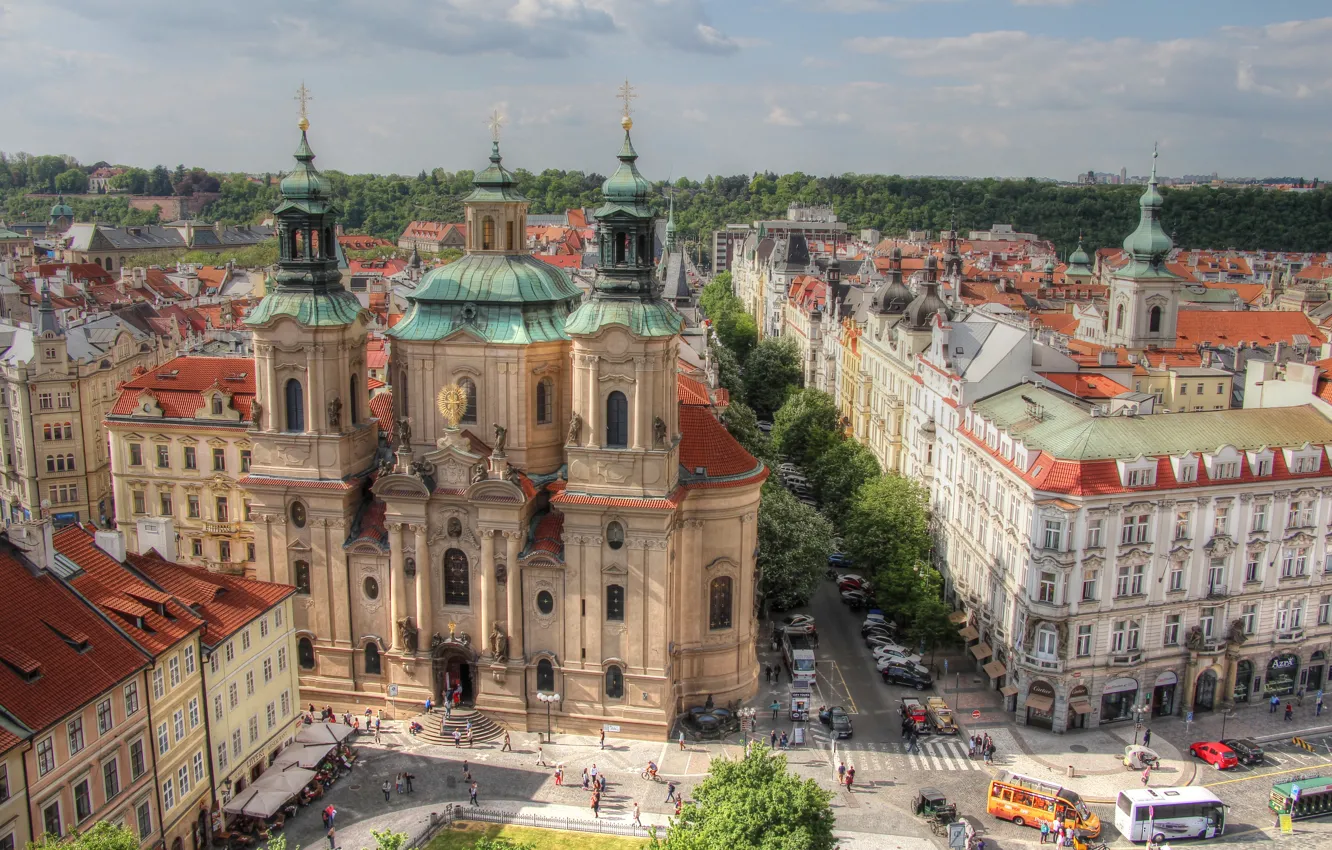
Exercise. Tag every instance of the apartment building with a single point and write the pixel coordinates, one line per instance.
(1112, 566)
(179, 445)
(15, 826)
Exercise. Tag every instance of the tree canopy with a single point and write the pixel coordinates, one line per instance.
(805, 426)
(102, 835)
(838, 472)
(887, 534)
(772, 369)
(794, 543)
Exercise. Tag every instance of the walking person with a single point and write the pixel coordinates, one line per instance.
(559, 776)
(584, 779)
(408, 777)
(472, 795)
(332, 839)
(850, 776)
(448, 710)
(376, 731)
(602, 745)
(776, 707)
(682, 739)
(670, 791)
(469, 734)
(594, 773)
(387, 788)
(971, 748)
(679, 803)
(1318, 706)
(457, 739)
(508, 747)
(541, 756)
(1290, 712)
(1045, 831)
(638, 822)
(1147, 738)
(397, 783)
(1146, 775)
(773, 740)
(596, 806)
(841, 773)
(1276, 701)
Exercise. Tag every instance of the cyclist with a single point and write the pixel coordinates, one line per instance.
(651, 770)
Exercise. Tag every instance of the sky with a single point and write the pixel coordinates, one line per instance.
(1042, 88)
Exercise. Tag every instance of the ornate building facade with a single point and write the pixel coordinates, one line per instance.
(552, 518)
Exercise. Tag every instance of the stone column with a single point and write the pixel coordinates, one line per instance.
(1190, 679)
(314, 391)
(397, 583)
(424, 595)
(1228, 676)
(513, 543)
(593, 402)
(640, 430)
(487, 585)
(270, 401)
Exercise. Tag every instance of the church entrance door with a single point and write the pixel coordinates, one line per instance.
(451, 669)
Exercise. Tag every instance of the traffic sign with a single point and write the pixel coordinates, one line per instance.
(1189, 718)
(393, 690)
(975, 715)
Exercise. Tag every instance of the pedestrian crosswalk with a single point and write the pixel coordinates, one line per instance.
(944, 755)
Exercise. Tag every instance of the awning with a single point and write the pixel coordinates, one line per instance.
(981, 651)
(1080, 706)
(995, 669)
(324, 733)
(969, 633)
(292, 780)
(1008, 690)
(307, 756)
(1040, 703)
(957, 617)
(257, 802)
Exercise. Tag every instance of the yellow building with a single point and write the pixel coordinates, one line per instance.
(179, 446)
(1184, 386)
(14, 820)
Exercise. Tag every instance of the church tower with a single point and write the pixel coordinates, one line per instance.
(1144, 295)
(314, 437)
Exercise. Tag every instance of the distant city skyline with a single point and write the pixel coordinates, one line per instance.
(1006, 88)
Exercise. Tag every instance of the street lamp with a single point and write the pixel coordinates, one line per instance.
(1138, 712)
(1226, 714)
(548, 699)
(747, 715)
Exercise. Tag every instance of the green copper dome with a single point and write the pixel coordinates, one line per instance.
(502, 278)
(1079, 256)
(495, 183)
(61, 209)
(304, 187)
(626, 189)
(1148, 244)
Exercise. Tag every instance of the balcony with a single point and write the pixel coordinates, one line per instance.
(1045, 665)
(1126, 659)
(221, 527)
(1047, 609)
(1218, 592)
(1289, 637)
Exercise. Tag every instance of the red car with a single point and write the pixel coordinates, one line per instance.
(1215, 753)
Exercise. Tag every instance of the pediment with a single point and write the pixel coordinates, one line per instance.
(495, 490)
(298, 545)
(400, 485)
(615, 569)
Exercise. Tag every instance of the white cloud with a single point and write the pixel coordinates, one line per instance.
(818, 62)
(781, 117)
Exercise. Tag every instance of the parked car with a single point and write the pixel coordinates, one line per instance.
(875, 619)
(837, 559)
(799, 624)
(915, 709)
(857, 599)
(895, 653)
(880, 632)
(837, 720)
(1247, 750)
(910, 676)
(764, 425)
(875, 641)
(863, 587)
(1215, 753)
(860, 582)
(941, 716)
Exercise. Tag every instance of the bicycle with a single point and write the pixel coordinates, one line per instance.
(647, 774)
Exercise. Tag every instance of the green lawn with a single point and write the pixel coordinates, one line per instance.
(464, 835)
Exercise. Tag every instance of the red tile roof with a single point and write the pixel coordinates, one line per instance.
(66, 678)
(564, 261)
(706, 444)
(224, 602)
(547, 536)
(1086, 385)
(381, 407)
(1230, 326)
(358, 242)
(180, 396)
(150, 617)
(692, 391)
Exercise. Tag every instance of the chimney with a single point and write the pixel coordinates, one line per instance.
(112, 542)
(1277, 350)
(33, 538)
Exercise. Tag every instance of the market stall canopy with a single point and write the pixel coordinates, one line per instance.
(257, 802)
(995, 669)
(969, 633)
(957, 617)
(324, 733)
(1080, 706)
(1008, 690)
(304, 755)
(982, 651)
(291, 780)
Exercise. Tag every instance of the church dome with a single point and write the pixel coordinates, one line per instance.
(626, 187)
(920, 311)
(1079, 256)
(1148, 244)
(304, 182)
(500, 278)
(61, 209)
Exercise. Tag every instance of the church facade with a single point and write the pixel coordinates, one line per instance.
(551, 517)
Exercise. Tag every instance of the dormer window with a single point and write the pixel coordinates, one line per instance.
(217, 405)
(1141, 477)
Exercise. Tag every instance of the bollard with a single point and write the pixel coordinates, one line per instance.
(1070, 773)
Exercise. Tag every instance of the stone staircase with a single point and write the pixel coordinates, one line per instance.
(484, 728)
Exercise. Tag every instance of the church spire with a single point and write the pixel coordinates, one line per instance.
(46, 319)
(1148, 244)
(670, 227)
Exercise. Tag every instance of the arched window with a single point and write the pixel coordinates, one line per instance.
(545, 675)
(1047, 641)
(487, 233)
(617, 420)
(719, 603)
(545, 401)
(50, 463)
(69, 431)
(371, 659)
(508, 236)
(1119, 317)
(1105, 322)
(217, 405)
(642, 258)
(469, 387)
(400, 391)
(328, 242)
(409, 567)
(615, 603)
(354, 408)
(457, 580)
(614, 682)
(69, 462)
(295, 406)
(314, 243)
(302, 571)
(615, 535)
(305, 653)
(1154, 320)
(621, 246)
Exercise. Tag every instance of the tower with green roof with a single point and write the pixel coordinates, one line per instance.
(1079, 270)
(625, 344)
(62, 215)
(1144, 295)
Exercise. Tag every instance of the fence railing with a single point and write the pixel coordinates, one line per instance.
(605, 826)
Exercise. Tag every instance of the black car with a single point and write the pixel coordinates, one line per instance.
(837, 718)
(1247, 750)
(900, 674)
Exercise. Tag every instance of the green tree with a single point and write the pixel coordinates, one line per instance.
(72, 182)
(737, 331)
(387, 839)
(794, 543)
(753, 803)
(928, 625)
(159, 181)
(771, 370)
(728, 371)
(43, 170)
(716, 295)
(131, 180)
(838, 473)
(886, 532)
(103, 835)
(805, 426)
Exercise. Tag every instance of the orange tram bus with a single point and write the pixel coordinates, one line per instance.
(1027, 801)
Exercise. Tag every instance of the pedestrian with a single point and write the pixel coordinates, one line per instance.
(378, 719)
(1146, 776)
(1276, 701)
(584, 779)
(448, 711)
(430, 703)
(398, 782)
(508, 747)
(469, 735)
(1045, 831)
(1290, 712)
(971, 748)
(332, 814)
(596, 806)
(387, 788)
(670, 791)
(603, 783)
(773, 739)
(681, 739)
(457, 739)
(541, 756)
(559, 776)
(767, 673)
(1318, 706)
(457, 696)
(1299, 697)
(408, 777)
(1147, 738)
(841, 772)
(776, 706)
(594, 774)
(679, 803)
(602, 746)
(637, 818)
(332, 839)
(376, 731)
(472, 794)
(783, 739)
(466, 767)
(850, 776)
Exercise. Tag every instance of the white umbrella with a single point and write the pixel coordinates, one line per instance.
(305, 755)
(324, 733)
(257, 802)
(291, 781)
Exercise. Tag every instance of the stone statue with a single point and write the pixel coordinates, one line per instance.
(422, 468)
(386, 467)
(511, 474)
(335, 413)
(501, 437)
(659, 430)
(478, 473)
(256, 413)
(499, 643)
(436, 641)
(408, 631)
(404, 437)
(575, 425)
(1194, 639)
(1235, 635)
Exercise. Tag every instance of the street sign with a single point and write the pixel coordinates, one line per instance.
(1189, 717)
(393, 690)
(957, 835)
(607, 727)
(975, 715)
(1287, 828)
(945, 666)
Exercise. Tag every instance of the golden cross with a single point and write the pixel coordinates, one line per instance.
(303, 95)
(496, 122)
(626, 93)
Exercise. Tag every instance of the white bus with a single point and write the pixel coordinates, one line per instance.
(1165, 814)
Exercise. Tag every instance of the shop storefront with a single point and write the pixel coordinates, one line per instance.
(1282, 674)
(1117, 700)
(1243, 680)
(1204, 690)
(1040, 705)
(1078, 707)
(1163, 695)
(1315, 673)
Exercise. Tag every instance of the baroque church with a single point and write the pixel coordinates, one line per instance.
(559, 511)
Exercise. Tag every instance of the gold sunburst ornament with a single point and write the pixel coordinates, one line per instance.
(452, 403)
